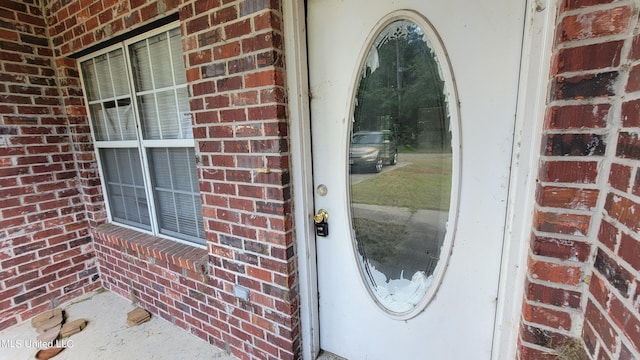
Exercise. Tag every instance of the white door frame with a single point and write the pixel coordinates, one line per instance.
(534, 70)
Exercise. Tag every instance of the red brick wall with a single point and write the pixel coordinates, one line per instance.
(234, 59)
(584, 260)
(46, 253)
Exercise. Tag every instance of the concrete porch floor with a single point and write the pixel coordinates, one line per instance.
(107, 335)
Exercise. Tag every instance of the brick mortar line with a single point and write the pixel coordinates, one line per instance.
(613, 126)
(570, 185)
(552, 285)
(545, 328)
(624, 265)
(596, 7)
(556, 261)
(612, 324)
(568, 211)
(549, 307)
(580, 131)
(573, 158)
(598, 347)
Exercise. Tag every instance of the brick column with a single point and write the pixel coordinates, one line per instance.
(582, 289)
(46, 254)
(236, 71)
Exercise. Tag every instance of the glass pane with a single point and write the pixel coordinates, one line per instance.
(175, 40)
(103, 73)
(400, 166)
(90, 80)
(160, 60)
(149, 117)
(99, 124)
(184, 112)
(122, 171)
(141, 66)
(119, 123)
(124, 113)
(177, 193)
(110, 109)
(119, 72)
(161, 86)
(161, 118)
(168, 114)
(167, 211)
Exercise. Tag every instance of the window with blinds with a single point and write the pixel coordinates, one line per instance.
(137, 100)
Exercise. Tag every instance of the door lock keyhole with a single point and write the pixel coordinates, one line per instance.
(321, 221)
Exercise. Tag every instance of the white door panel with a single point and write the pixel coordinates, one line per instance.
(483, 42)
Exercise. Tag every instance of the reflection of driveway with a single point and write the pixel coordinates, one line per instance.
(419, 250)
(404, 159)
(357, 177)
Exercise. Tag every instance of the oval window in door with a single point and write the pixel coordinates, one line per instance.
(403, 165)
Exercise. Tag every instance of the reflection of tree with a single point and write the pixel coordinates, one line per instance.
(404, 91)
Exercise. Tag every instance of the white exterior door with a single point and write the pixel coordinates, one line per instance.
(476, 46)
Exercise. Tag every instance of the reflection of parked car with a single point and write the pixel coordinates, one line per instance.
(372, 149)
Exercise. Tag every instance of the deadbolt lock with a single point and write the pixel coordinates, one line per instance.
(321, 221)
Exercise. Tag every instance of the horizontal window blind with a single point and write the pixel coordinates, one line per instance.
(151, 185)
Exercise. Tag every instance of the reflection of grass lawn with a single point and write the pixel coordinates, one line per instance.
(423, 184)
(378, 239)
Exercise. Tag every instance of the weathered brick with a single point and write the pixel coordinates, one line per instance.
(566, 197)
(267, 20)
(574, 145)
(200, 57)
(569, 171)
(620, 176)
(590, 339)
(607, 234)
(617, 276)
(635, 48)
(535, 353)
(625, 353)
(584, 86)
(204, 88)
(589, 57)
(576, 4)
(214, 70)
(631, 113)
(595, 24)
(547, 317)
(30, 295)
(237, 29)
(224, 15)
(227, 50)
(599, 290)
(623, 210)
(630, 250)
(601, 326)
(557, 223)
(627, 321)
(633, 82)
(230, 84)
(556, 273)
(628, 146)
(553, 296)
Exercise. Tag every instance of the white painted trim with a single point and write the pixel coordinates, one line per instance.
(537, 46)
(295, 38)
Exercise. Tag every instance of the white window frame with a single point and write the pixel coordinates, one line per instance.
(140, 143)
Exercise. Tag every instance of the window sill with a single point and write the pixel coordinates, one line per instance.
(146, 246)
